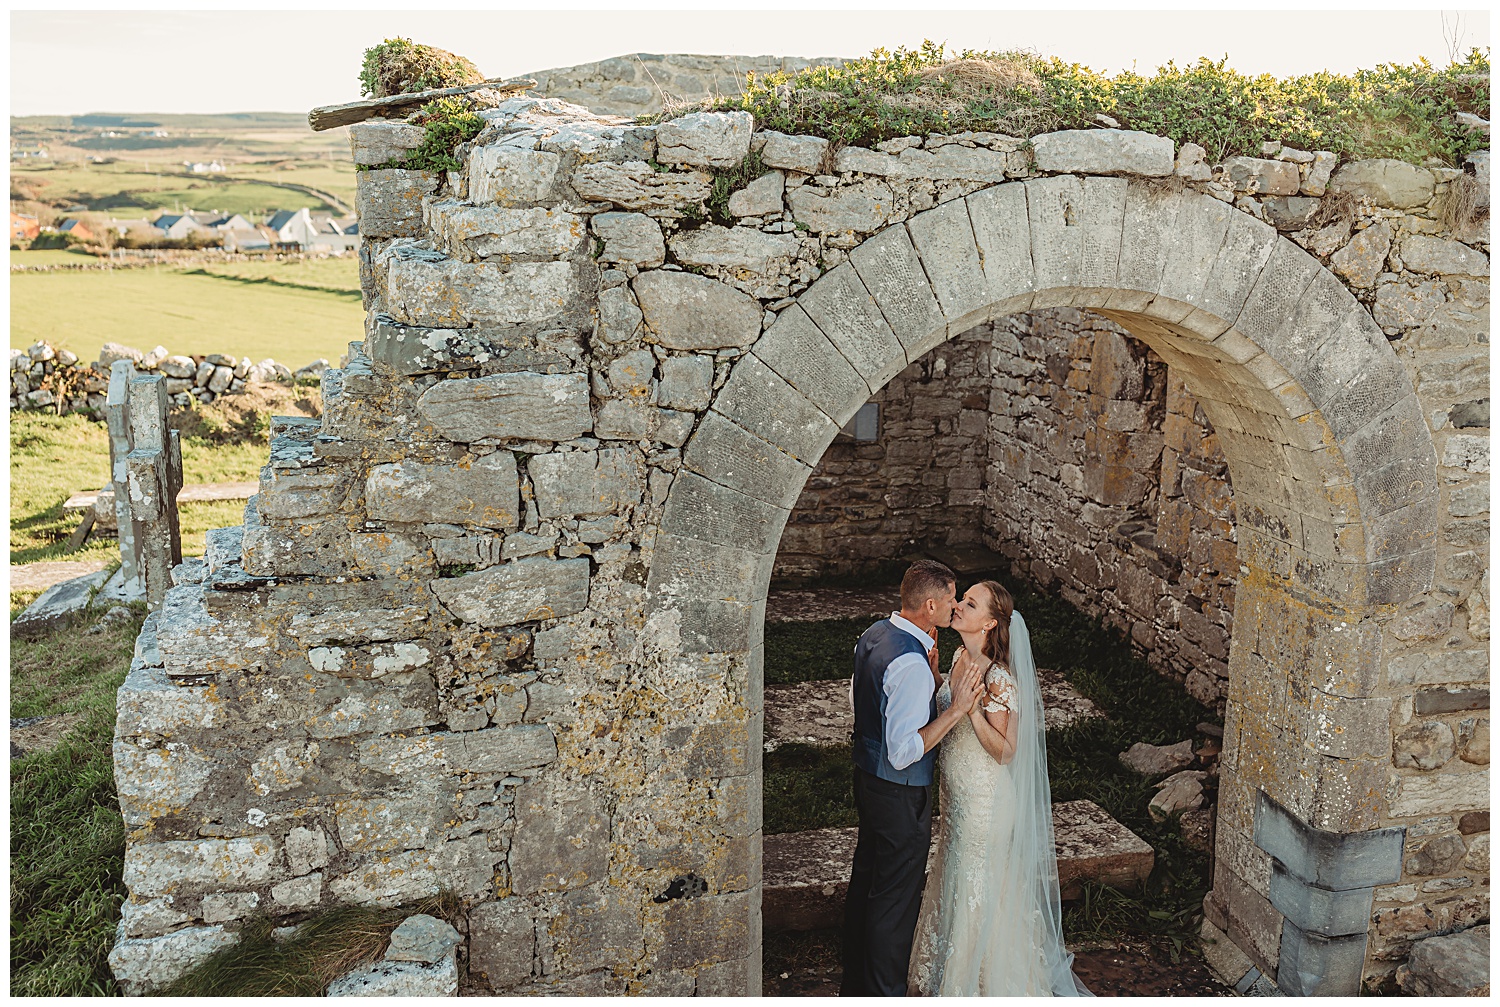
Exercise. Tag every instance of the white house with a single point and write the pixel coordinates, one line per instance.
(294, 226)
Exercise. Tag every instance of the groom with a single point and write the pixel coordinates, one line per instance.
(896, 732)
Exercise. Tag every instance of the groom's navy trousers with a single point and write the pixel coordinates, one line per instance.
(885, 888)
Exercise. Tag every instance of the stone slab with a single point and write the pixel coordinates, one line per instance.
(1453, 965)
(806, 874)
(57, 605)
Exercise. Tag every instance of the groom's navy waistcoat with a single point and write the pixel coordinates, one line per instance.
(881, 644)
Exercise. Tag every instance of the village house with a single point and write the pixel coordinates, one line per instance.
(76, 228)
(23, 226)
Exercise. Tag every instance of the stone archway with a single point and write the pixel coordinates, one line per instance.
(1332, 463)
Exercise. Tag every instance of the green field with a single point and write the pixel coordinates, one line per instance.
(53, 457)
(339, 275)
(129, 189)
(51, 257)
(184, 311)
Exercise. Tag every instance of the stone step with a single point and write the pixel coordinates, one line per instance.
(818, 713)
(806, 874)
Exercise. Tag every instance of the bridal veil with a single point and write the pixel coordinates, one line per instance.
(1023, 865)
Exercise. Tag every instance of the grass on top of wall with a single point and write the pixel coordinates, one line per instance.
(1403, 112)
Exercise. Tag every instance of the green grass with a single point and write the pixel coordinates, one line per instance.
(1404, 112)
(51, 257)
(53, 457)
(67, 838)
(335, 275)
(128, 190)
(324, 947)
(808, 787)
(185, 312)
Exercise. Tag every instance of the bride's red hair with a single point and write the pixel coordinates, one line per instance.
(997, 640)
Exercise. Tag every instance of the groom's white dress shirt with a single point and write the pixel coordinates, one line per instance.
(908, 698)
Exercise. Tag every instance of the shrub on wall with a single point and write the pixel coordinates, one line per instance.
(400, 66)
(1405, 112)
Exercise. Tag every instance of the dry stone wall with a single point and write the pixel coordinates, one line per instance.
(492, 625)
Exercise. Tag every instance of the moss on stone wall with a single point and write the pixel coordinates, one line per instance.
(1403, 112)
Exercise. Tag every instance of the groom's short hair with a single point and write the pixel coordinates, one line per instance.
(926, 578)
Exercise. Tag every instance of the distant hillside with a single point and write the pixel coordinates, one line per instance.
(154, 120)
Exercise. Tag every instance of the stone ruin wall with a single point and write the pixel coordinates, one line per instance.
(1066, 445)
(486, 628)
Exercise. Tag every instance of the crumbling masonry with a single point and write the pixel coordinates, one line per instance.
(493, 625)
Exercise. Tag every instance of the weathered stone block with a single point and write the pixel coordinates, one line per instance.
(1424, 745)
(619, 317)
(686, 382)
(464, 867)
(452, 293)
(177, 867)
(944, 239)
(299, 893)
(795, 153)
(390, 822)
(389, 201)
(483, 491)
(591, 929)
(1451, 965)
(398, 979)
(520, 406)
(1440, 793)
(630, 237)
(1104, 152)
(705, 139)
(731, 456)
(1002, 232)
(306, 849)
(1362, 260)
(859, 208)
(561, 841)
(502, 941)
(144, 966)
(797, 350)
(1259, 176)
(888, 267)
(1388, 182)
(709, 929)
(843, 309)
(376, 142)
(635, 185)
(952, 161)
(760, 197)
(498, 232)
(512, 593)
(740, 250)
(759, 400)
(511, 176)
(586, 482)
(690, 312)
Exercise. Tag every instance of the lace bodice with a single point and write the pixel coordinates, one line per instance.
(999, 684)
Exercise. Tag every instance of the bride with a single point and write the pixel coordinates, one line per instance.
(991, 918)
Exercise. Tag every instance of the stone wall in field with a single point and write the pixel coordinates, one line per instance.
(493, 623)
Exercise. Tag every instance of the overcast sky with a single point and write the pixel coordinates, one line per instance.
(71, 62)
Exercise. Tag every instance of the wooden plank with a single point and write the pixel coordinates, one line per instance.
(191, 493)
(81, 533)
(330, 116)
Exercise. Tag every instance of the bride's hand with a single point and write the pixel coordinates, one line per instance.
(967, 686)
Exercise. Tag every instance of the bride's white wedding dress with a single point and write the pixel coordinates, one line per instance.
(991, 922)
